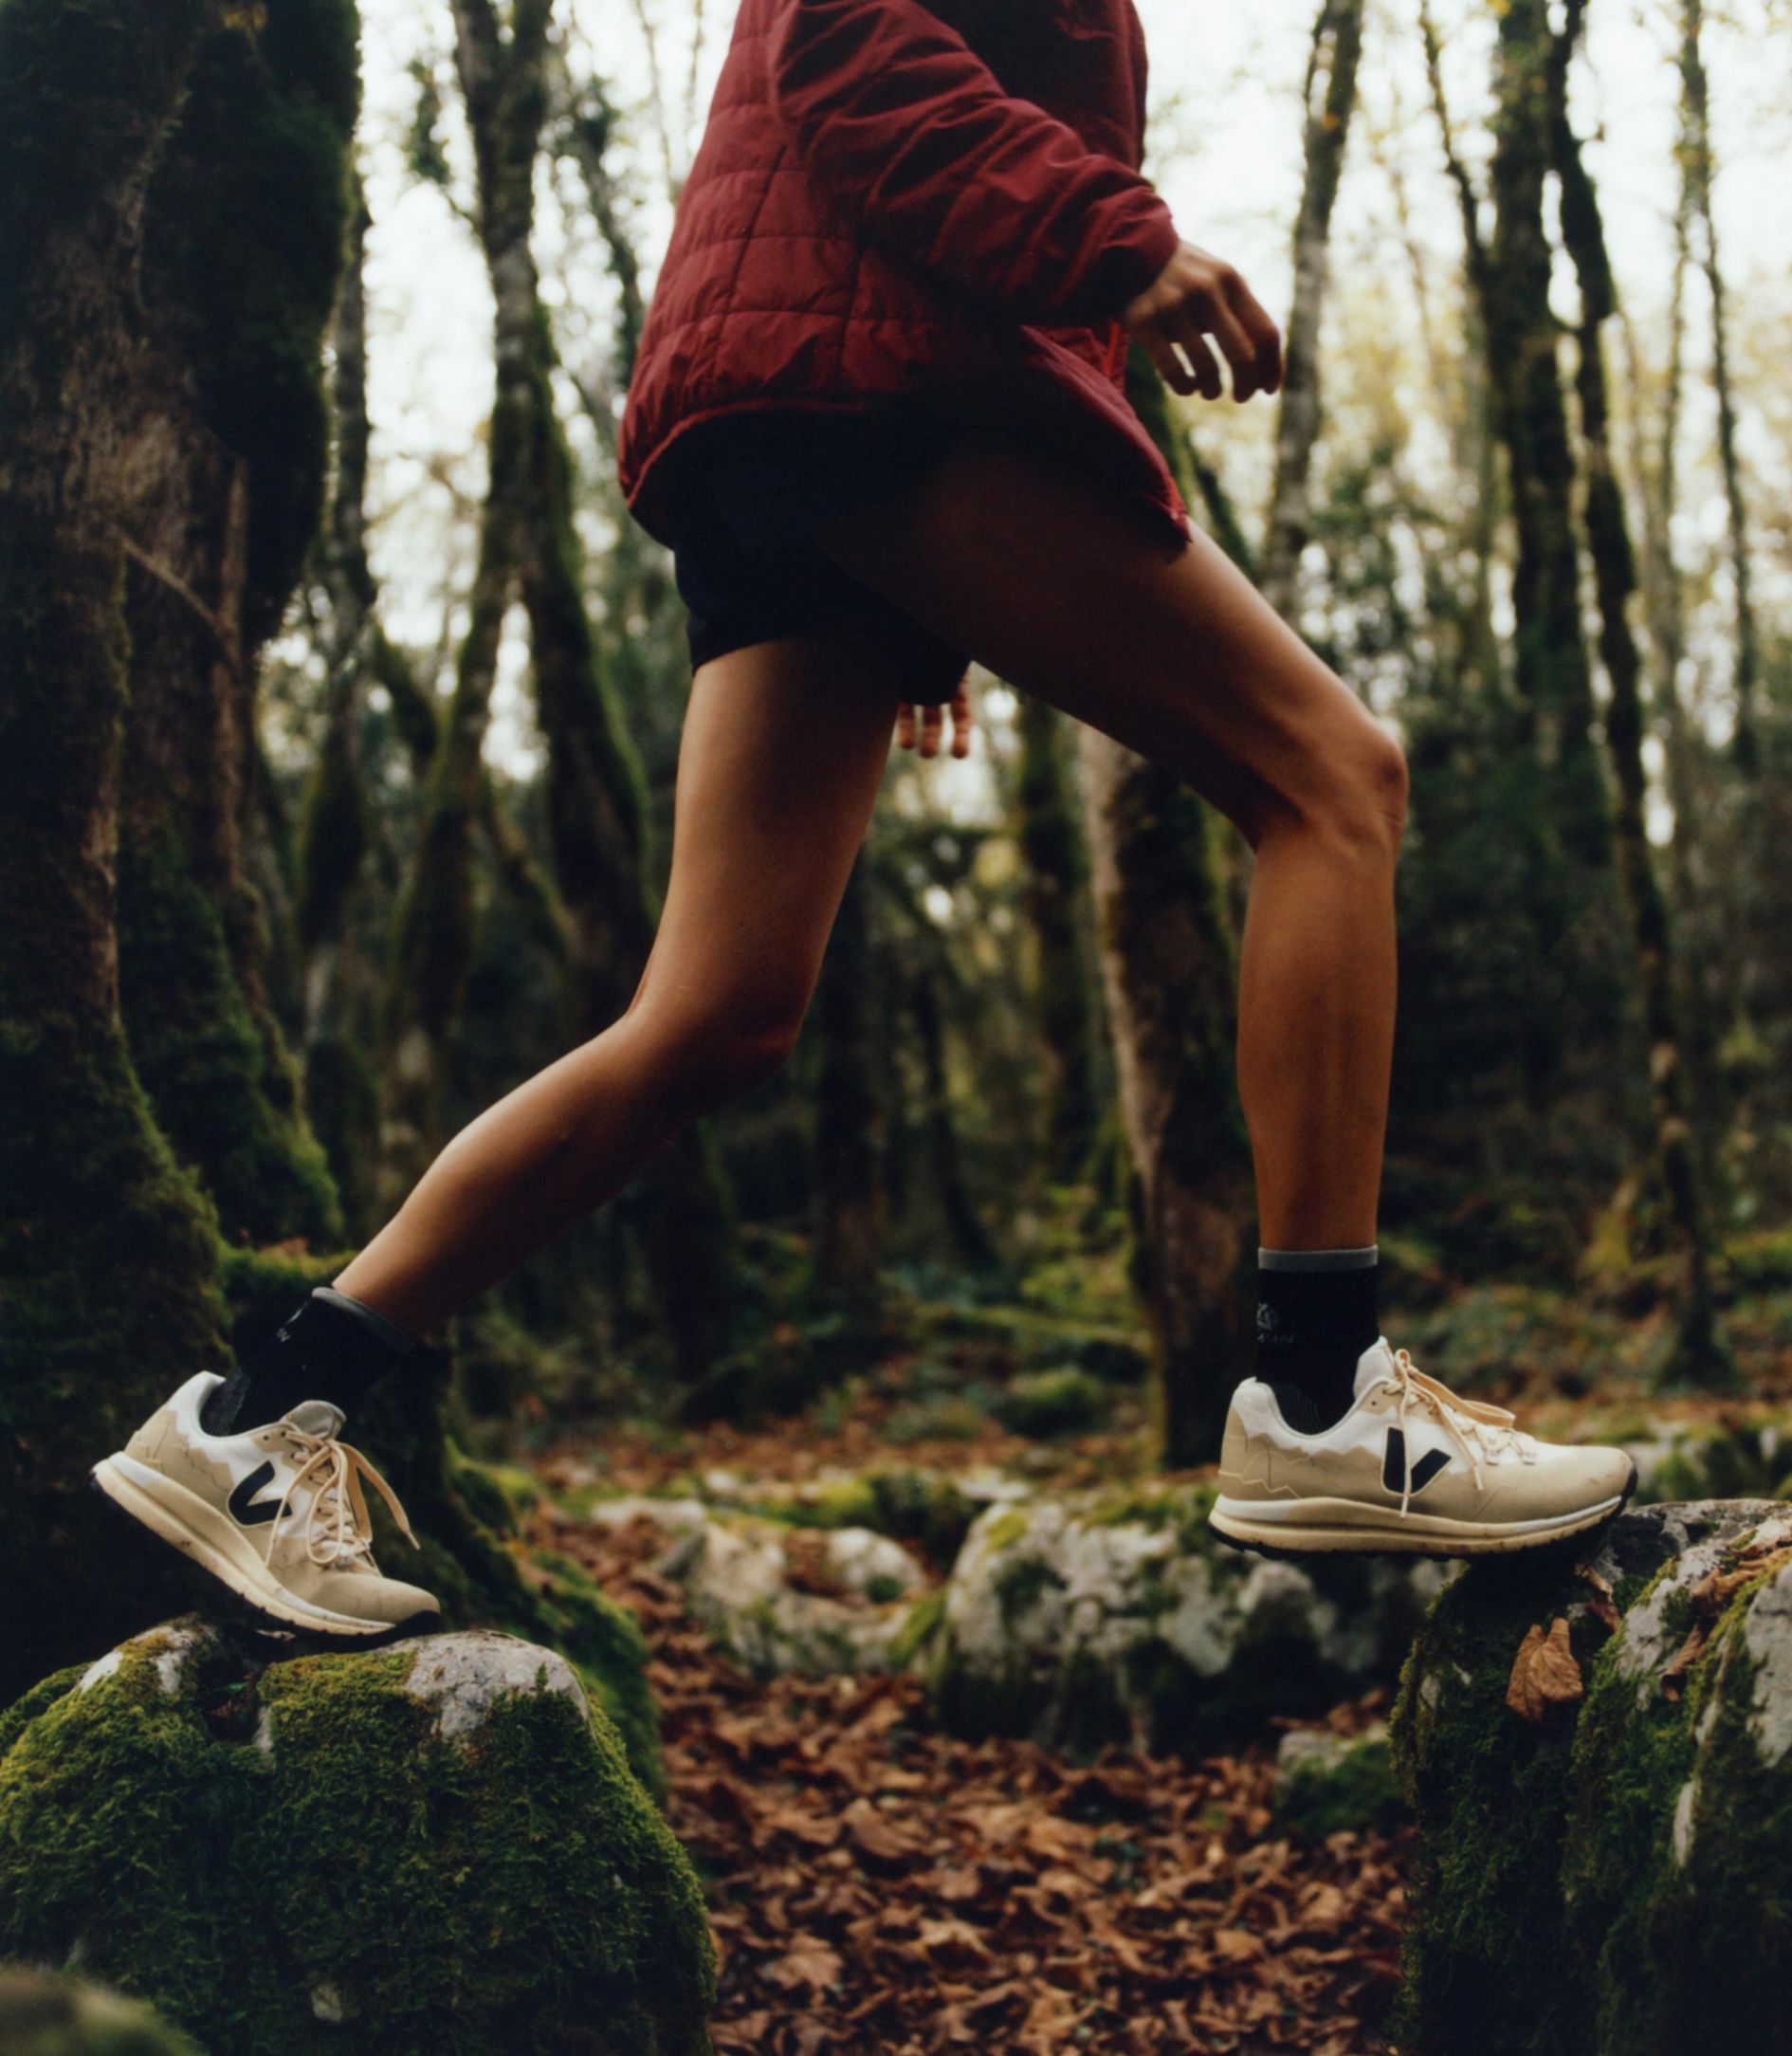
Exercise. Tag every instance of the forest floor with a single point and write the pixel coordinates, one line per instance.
(876, 1885)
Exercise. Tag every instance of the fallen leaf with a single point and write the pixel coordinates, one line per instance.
(1545, 1679)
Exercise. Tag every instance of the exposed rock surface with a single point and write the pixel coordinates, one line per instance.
(1122, 1617)
(42, 2014)
(1606, 1876)
(436, 1845)
(783, 1598)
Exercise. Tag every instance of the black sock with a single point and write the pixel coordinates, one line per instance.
(1316, 1314)
(332, 1347)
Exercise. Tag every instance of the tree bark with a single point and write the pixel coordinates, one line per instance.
(108, 1249)
(1697, 161)
(1330, 99)
(849, 1118)
(501, 78)
(1055, 882)
(1699, 1357)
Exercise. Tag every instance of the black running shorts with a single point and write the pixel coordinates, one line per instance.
(753, 485)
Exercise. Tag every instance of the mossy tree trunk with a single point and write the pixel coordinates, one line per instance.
(970, 1239)
(1054, 892)
(1330, 99)
(850, 1207)
(1169, 973)
(1699, 1357)
(243, 243)
(108, 1249)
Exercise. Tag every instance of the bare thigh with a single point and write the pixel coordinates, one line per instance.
(779, 763)
(1054, 583)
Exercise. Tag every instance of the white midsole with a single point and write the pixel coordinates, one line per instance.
(183, 1519)
(1339, 1527)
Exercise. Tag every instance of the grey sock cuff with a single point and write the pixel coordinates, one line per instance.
(1319, 1259)
(389, 1332)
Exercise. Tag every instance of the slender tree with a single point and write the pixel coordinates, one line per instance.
(1329, 98)
(1168, 962)
(1699, 1357)
(1052, 891)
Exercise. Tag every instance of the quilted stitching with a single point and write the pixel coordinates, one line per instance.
(774, 290)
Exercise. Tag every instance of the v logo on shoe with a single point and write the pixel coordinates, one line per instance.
(1394, 1465)
(240, 1502)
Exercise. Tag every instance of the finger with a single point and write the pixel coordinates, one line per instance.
(1208, 379)
(932, 724)
(1241, 352)
(1171, 369)
(906, 726)
(963, 721)
(1264, 337)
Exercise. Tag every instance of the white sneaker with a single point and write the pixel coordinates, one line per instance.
(276, 1514)
(1410, 1469)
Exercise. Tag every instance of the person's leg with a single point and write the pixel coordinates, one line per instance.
(1050, 581)
(1051, 584)
(783, 749)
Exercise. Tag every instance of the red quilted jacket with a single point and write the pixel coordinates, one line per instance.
(891, 196)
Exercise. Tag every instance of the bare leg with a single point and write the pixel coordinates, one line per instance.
(782, 753)
(1051, 584)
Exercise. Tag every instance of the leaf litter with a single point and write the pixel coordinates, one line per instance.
(875, 1884)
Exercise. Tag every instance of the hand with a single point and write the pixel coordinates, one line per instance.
(932, 720)
(1196, 296)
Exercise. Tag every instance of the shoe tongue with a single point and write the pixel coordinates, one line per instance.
(1376, 1363)
(317, 1417)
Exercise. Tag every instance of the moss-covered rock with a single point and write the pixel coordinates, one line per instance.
(1329, 1784)
(1609, 1880)
(435, 1850)
(42, 2014)
(1121, 1617)
(1062, 1402)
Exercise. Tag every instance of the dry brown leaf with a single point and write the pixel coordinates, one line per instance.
(810, 1965)
(1603, 1605)
(1545, 1679)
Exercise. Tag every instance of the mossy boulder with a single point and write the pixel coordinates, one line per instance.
(434, 1849)
(1104, 1616)
(1605, 1874)
(42, 2014)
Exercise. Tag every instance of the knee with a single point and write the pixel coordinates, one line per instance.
(1363, 798)
(726, 1050)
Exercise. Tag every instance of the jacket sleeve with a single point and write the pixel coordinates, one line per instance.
(920, 142)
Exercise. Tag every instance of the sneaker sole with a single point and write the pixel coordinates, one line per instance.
(204, 1538)
(1346, 1527)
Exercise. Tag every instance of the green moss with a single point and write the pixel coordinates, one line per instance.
(920, 1627)
(203, 1058)
(1063, 1402)
(1021, 1583)
(1353, 1793)
(517, 1889)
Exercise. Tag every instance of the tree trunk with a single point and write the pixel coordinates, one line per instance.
(108, 1250)
(501, 78)
(1055, 880)
(1330, 99)
(1169, 973)
(1699, 1357)
(970, 1240)
(849, 1131)
(1697, 161)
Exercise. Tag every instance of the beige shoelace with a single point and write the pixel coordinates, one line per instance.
(1478, 1430)
(339, 1506)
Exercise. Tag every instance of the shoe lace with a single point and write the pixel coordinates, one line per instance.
(337, 1526)
(1482, 1432)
